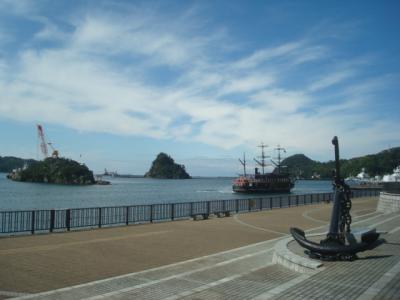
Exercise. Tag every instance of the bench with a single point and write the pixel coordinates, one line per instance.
(195, 216)
(221, 214)
(205, 216)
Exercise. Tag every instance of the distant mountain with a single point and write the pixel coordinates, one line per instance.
(9, 163)
(375, 164)
(164, 167)
(299, 165)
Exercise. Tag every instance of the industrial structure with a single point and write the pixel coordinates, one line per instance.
(42, 144)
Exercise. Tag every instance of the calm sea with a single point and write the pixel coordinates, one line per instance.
(127, 191)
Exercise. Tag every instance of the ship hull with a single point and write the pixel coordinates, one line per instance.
(263, 184)
(259, 190)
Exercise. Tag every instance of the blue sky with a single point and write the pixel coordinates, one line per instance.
(116, 82)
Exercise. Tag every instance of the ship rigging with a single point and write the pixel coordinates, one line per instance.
(276, 181)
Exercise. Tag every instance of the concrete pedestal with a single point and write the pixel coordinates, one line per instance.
(388, 202)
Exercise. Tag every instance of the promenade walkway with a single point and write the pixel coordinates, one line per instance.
(220, 258)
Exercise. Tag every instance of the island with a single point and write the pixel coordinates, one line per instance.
(164, 167)
(54, 170)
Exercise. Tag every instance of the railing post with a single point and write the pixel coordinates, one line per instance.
(68, 219)
(151, 213)
(33, 222)
(99, 217)
(172, 211)
(297, 200)
(249, 207)
(223, 205)
(191, 208)
(270, 202)
(52, 217)
(237, 205)
(280, 201)
(208, 207)
(261, 202)
(127, 216)
(311, 198)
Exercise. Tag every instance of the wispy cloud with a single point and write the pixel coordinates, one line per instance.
(263, 55)
(330, 80)
(50, 32)
(141, 75)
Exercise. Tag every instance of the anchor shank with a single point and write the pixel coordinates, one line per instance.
(335, 215)
(335, 142)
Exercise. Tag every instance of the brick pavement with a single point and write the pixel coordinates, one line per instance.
(247, 271)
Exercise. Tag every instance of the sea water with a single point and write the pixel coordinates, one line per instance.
(128, 191)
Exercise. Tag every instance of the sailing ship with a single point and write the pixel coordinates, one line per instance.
(277, 181)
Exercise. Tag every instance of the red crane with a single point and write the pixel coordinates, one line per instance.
(42, 141)
(43, 144)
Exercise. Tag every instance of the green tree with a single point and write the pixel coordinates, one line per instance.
(164, 167)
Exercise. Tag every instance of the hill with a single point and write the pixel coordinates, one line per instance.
(55, 170)
(164, 167)
(375, 164)
(9, 163)
(300, 165)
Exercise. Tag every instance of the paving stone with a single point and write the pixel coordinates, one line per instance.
(248, 273)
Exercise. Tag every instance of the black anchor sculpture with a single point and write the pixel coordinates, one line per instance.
(340, 243)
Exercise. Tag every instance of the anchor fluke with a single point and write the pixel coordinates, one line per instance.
(332, 249)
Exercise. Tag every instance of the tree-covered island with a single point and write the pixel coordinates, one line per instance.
(55, 170)
(164, 167)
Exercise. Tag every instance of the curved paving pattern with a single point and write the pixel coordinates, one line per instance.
(249, 273)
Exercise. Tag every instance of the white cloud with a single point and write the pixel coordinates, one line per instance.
(309, 54)
(152, 40)
(245, 84)
(281, 101)
(213, 99)
(330, 80)
(50, 32)
(261, 56)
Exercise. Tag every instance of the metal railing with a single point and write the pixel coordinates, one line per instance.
(31, 221)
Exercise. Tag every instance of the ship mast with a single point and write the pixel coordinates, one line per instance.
(243, 162)
(279, 158)
(261, 162)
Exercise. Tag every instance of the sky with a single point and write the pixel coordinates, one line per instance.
(116, 82)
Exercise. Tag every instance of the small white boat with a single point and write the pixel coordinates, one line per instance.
(362, 180)
(395, 177)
